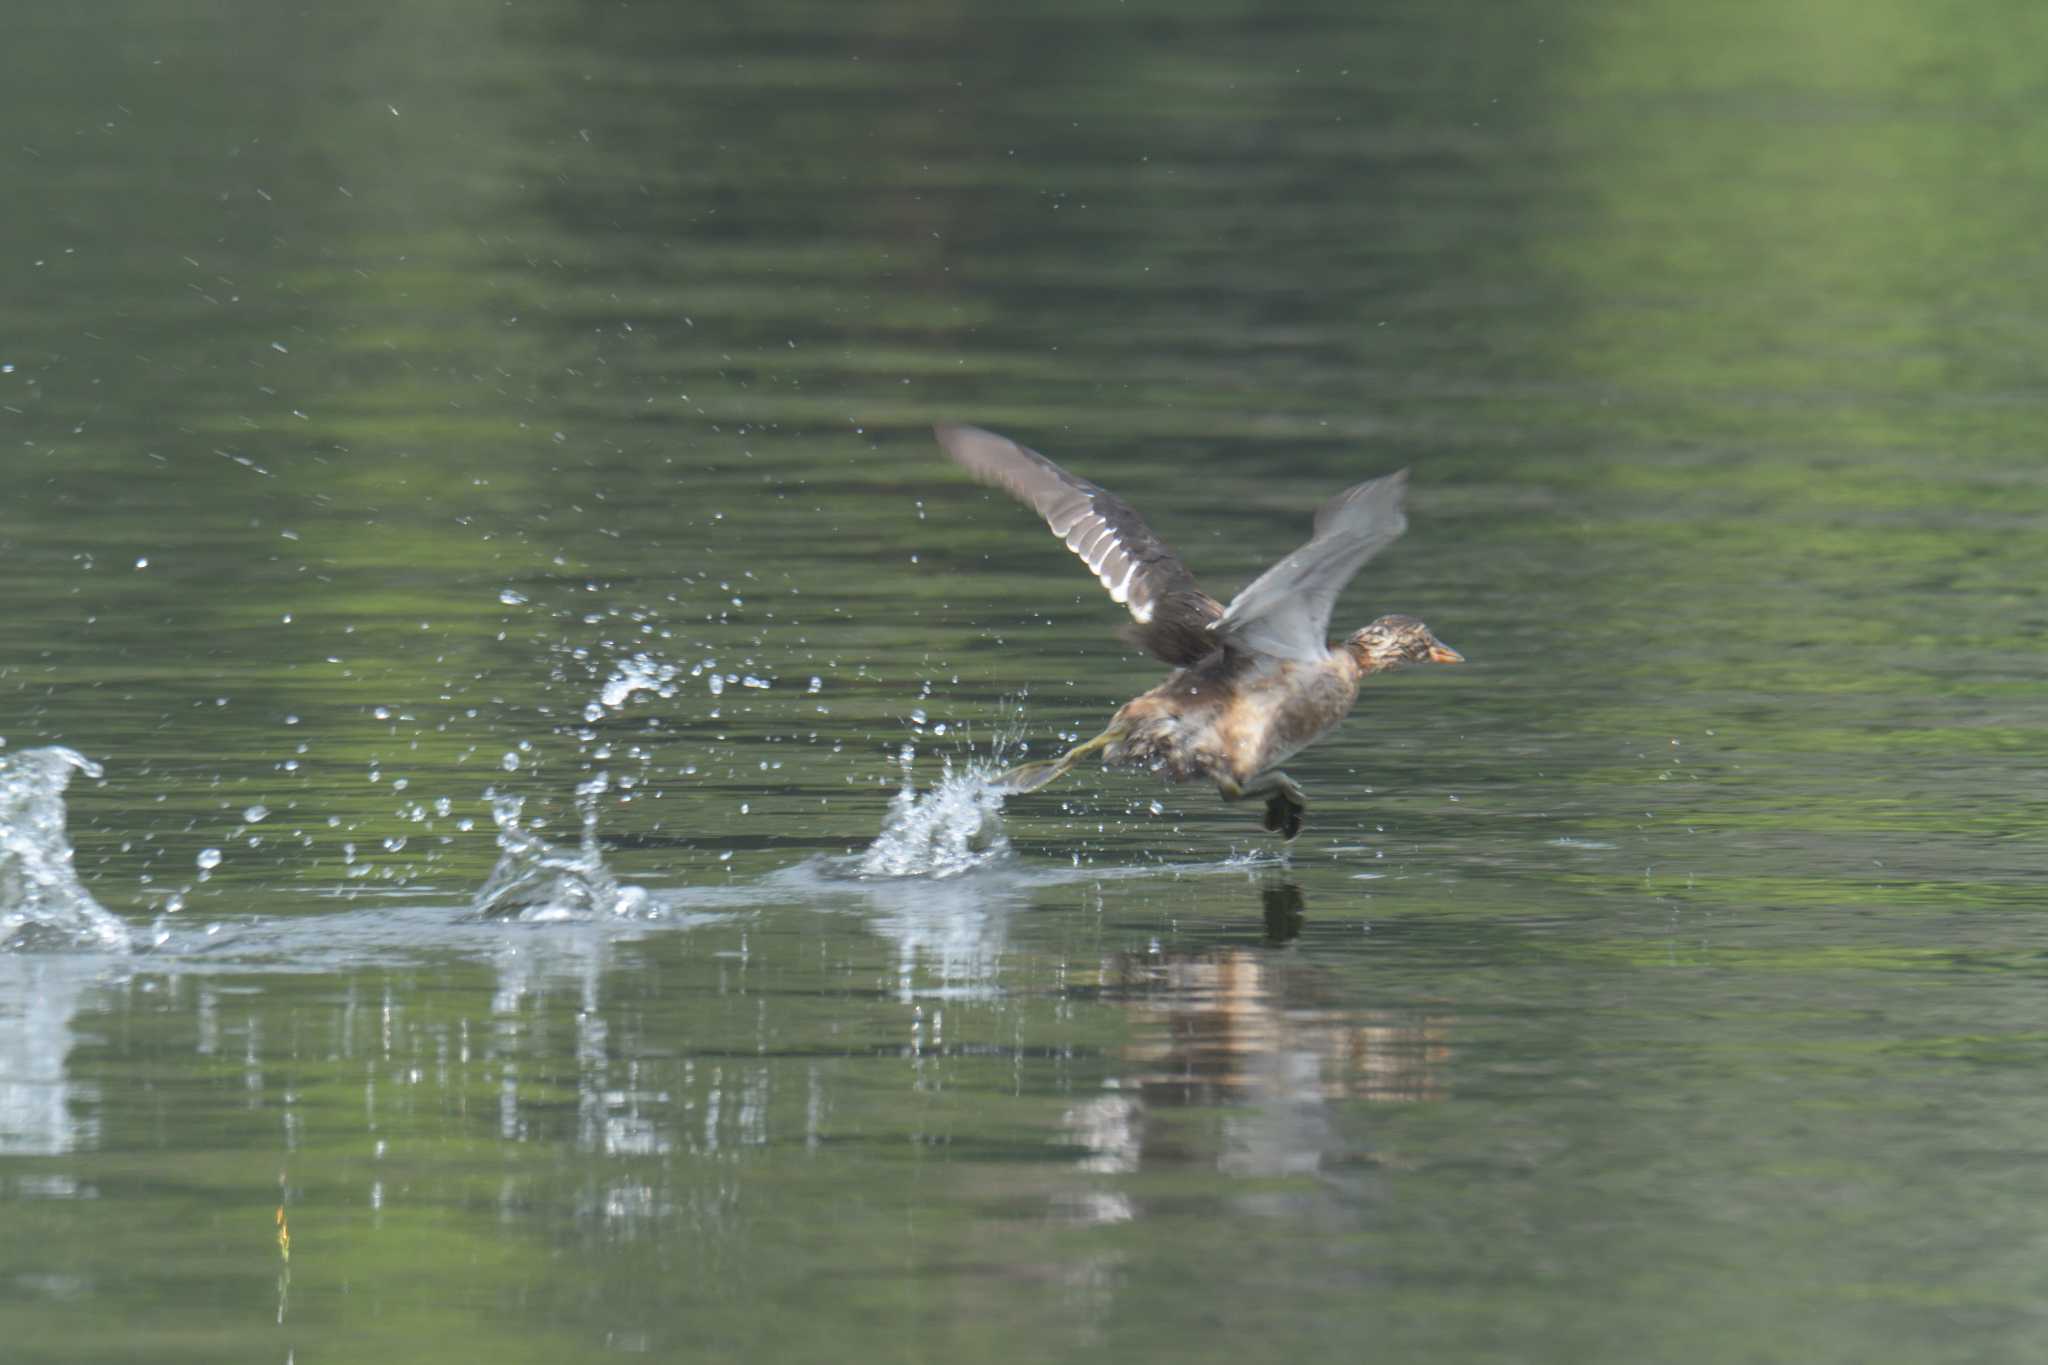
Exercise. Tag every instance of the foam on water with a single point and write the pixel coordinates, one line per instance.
(42, 903)
(955, 827)
(537, 880)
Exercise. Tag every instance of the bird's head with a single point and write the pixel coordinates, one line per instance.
(1395, 640)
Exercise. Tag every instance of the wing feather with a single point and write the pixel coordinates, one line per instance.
(1171, 612)
(1285, 611)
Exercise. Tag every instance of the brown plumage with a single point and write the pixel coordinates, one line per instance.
(1171, 616)
(1258, 680)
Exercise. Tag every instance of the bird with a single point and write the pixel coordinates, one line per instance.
(1255, 681)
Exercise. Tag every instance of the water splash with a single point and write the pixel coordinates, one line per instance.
(641, 673)
(955, 827)
(537, 880)
(42, 903)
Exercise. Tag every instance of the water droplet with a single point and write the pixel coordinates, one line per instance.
(255, 814)
(142, 563)
(593, 711)
(381, 712)
(512, 597)
(817, 685)
(510, 762)
(209, 859)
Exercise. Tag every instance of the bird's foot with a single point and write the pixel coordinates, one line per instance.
(1027, 777)
(1286, 803)
(1284, 814)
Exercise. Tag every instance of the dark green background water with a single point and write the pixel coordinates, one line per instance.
(1667, 983)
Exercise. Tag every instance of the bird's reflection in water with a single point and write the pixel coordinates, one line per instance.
(1284, 916)
(1274, 1039)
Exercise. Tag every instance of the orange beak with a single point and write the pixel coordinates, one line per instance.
(1441, 653)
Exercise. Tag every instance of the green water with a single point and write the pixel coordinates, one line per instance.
(1665, 983)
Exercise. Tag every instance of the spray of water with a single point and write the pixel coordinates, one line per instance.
(42, 903)
(537, 880)
(955, 827)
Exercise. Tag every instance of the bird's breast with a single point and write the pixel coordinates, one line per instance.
(1233, 716)
(1286, 707)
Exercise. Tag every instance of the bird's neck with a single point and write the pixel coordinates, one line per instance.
(1361, 663)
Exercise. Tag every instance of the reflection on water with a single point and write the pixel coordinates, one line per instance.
(612, 1112)
(559, 1045)
(44, 1110)
(835, 1051)
(1269, 1039)
(1284, 910)
(1238, 1024)
(949, 938)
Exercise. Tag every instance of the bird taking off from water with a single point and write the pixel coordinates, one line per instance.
(1254, 682)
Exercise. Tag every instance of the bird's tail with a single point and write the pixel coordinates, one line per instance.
(1029, 777)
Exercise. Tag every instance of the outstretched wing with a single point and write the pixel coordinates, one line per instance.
(1172, 614)
(1285, 611)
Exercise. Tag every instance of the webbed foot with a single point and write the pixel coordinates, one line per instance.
(1286, 803)
(1284, 815)
(1029, 777)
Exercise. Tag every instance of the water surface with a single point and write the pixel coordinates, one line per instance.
(416, 413)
